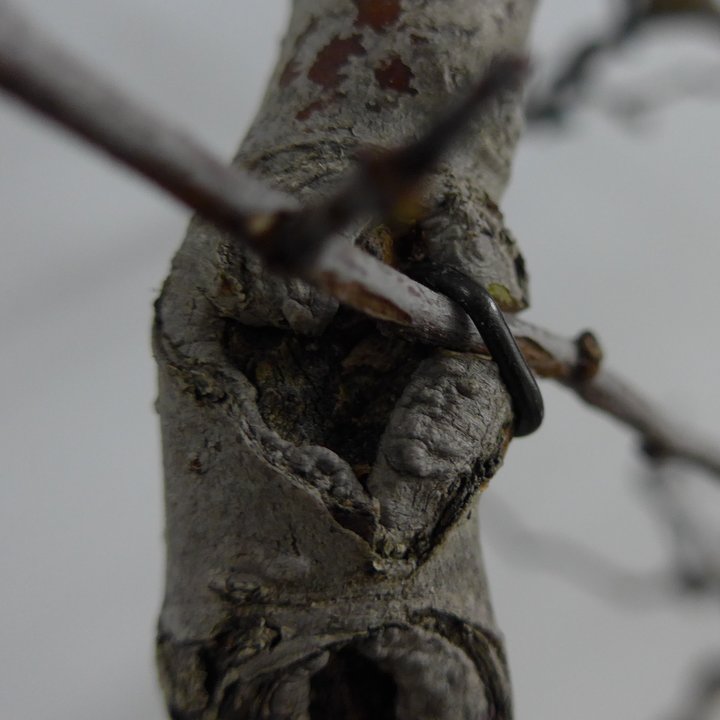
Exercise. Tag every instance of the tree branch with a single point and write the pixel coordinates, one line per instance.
(289, 237)
(661, 437)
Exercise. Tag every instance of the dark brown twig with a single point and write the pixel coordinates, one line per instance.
(50, 81)
(383, 181)
(288, 238)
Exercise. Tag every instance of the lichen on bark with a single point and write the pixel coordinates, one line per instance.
(322, 473)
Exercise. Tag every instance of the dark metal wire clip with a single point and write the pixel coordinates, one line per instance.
(488, 319)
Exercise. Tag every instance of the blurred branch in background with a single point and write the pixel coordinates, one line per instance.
(695, 553)
(692, 573)
(694, 546)
(579, 564)
(696, 557)
(659, 90)
(693, 570)
(553, 103)
(703, 700)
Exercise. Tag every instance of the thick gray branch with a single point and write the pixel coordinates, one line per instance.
(321, 472)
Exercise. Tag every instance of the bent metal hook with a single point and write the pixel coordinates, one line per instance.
(477, 302)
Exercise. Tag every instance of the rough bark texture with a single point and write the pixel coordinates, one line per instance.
(321, 473)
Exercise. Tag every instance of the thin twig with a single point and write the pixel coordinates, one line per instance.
(49, 80)
(705, 695)
(287, 237)
(577, 365)
(632, 105)
(661, 437)
(693, 569)
(582, 565)
(555, 103)
(694, 545)
(697, 573)
(61, 88)
(56, 85)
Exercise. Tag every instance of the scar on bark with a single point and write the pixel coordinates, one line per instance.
(353, 687)
(337, 390)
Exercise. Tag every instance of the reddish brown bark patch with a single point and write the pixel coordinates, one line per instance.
(394, 74)
(328, 65)
(377, 14)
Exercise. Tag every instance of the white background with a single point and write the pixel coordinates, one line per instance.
(620, 232)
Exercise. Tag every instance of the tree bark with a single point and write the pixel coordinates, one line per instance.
(323, 557)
